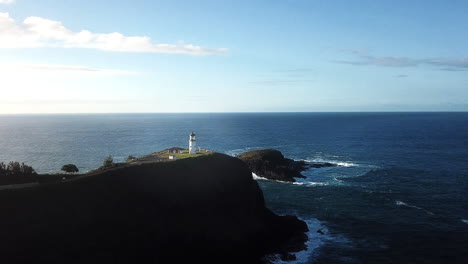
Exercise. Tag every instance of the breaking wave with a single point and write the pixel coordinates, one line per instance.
(308, 183)
(335, 162)
(401, 203)
(256, 177)
(318, 235)
(237, 152)
(304, 183)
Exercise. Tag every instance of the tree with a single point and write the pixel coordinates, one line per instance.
(108, 162)
(27, 170)
(130, 158)
(15, 169)
(3, 169)
(70, 168)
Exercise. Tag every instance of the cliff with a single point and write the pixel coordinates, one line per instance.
(206, 209)
(271, 164)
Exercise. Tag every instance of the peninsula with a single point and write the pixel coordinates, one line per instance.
(204, 207)
(271, 164)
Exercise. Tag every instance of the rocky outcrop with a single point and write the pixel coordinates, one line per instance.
(271, 164)
(197, 210)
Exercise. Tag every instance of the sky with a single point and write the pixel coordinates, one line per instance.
(140, 56)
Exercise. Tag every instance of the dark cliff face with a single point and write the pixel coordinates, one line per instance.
(271, 164)
(207, 208)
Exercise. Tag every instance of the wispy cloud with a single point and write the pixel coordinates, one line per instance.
(16, 67)
(363, 59)
(35, 32)
(454, 69)
(296, 70)
(276, 82)
(381, 61)
(68, 101)
(7, 1)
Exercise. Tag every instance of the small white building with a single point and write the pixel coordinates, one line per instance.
(192, 144)
(172, 157)
(176, 150)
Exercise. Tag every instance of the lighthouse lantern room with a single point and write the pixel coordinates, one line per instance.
(192, 144)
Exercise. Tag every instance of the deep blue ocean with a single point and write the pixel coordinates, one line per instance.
(398, 195)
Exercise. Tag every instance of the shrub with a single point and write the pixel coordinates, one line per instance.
(130, 158)
(108, 162)
(70, 168)
(3, 169)
(14, 168)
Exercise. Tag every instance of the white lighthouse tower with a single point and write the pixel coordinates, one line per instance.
(192, 144)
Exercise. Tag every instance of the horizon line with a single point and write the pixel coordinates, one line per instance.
(238, 112)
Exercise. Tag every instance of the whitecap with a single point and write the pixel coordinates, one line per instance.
(237, 152)
(336, 179)
(318, 235)
(335, 162)
(304, 183)
(309, 183)
(401, 203)
(465, 221)
(256, 177)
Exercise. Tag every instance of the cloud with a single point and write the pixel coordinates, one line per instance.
(450, 63)
(7, 1)
(36, 32)
(277, 82)
(401, 76)
(19, 67)
(453, 69)
(446, 63)
(382, 61)
(68, 101)
(296, 70)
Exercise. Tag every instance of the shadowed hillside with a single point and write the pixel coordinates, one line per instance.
(207, 207)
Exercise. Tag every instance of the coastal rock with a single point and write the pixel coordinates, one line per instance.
(206, 209)
(271, 164)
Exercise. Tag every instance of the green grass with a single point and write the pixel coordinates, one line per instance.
(183, 155)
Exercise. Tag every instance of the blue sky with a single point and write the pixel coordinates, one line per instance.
(232, 56)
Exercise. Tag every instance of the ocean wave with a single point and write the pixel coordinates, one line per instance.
(256, 177)
(464, 221)
(304, 183)
(318, 235)
(237, 152)
(309, 183)
(336, 179)
(335, 162)
(401, 203)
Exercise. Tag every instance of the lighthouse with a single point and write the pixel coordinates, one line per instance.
(192, 144)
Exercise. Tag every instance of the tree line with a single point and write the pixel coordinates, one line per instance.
(16, 169)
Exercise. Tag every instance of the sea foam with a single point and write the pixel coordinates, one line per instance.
(318, 235)
(335, 162)
(401, 203)
(303, 183)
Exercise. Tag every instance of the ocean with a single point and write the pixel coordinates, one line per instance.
(399, 192)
